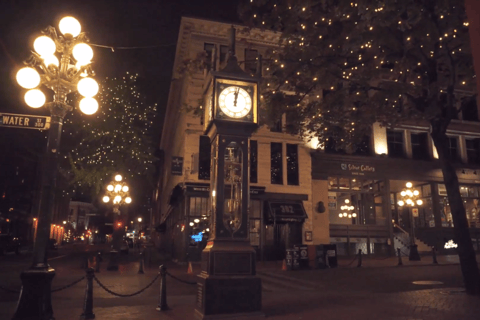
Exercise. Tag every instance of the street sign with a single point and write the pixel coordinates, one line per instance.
(24, 121)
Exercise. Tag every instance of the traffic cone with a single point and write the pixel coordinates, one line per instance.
(190, 269)
(284, 265)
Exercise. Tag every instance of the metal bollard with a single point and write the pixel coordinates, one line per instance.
(359, 258)
(400, 263)
(162, 301)
(434, 256)
(140, 269)
(97, 262)
(88, 306)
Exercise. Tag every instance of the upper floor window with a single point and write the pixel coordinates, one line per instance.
(363, 147)
(395, 143)
(253, 161)
(470, 110)
(223, 55)
(251, 61)
(420, 146)
(452, 151)
(208, 48)
(292, 164)
(473, 150)
(276, 163)
(277, 125)
(204, 156)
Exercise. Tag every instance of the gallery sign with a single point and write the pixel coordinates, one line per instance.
(24, 121)
(357, 169)
(177, 166)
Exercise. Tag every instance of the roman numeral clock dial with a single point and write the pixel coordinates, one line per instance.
(235, 102)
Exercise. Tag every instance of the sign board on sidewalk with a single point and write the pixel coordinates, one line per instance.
(24, 121)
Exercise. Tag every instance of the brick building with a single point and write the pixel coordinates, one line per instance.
(299, 192)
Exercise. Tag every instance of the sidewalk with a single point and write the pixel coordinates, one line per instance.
(375, 292)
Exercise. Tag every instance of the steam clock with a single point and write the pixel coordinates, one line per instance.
(227, 284)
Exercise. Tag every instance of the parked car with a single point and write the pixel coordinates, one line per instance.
(9, 243)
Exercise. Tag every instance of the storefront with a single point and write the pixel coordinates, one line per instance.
(363, 197)
(275, 222)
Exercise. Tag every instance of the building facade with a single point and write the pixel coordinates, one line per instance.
(301, 193)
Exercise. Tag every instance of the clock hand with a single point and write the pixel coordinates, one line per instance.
(236, 96)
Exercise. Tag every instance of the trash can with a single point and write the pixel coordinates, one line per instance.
(289, 259)
(303, 256)
(326, 256)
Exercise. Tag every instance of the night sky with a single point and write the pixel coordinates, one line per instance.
(117, 23)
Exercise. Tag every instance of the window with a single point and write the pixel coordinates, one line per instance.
(395, 143)
(363, 147)
(276, 166)
(204, 158)
(473, 150)
(420, 146)
(292, 164)
(251, 61)
(223, 54)
(470, 110)
(208, 48)
(452, 151)
(199, 207)
(254, 221)
(253, 161)
(277, 125)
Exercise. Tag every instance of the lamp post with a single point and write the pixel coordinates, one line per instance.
(60, 63)
(409, 197)
(118, 194)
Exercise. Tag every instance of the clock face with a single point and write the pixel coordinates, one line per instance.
(235, 102)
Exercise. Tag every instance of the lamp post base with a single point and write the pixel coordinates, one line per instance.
(35, 301)
(113, 263)
(414, 256)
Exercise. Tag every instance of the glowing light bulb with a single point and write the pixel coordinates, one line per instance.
(118, 177)
(28, 78)
(70, 25)
(110, 187)
(106, 199)
(35, 98)
(409, 184)
(44, 46)
(401, 203)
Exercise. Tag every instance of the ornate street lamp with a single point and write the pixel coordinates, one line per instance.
(410, 197)
(118, 193)
(60, 63)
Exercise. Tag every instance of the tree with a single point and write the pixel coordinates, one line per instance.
(119, 138)
(343, 65)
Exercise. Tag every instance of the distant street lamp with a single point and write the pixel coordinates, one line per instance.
(60, 63)
(410, 197)
(118, 193)
(139, 219)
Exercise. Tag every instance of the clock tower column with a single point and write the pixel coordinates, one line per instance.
(228, 285)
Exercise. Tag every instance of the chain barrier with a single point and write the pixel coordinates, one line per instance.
(9, 290)
(68, 285)
(53, 290)
(350, 263)
(178, 279)
(126, 295)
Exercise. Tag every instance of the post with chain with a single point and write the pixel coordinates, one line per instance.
(434, 255)
(359, 258)
(141, 266)
(162, 301)
(98, 260)
(88, 306)
(400, 263)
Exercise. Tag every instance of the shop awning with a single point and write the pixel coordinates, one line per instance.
(285, 211)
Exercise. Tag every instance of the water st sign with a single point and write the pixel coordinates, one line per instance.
(24, 121)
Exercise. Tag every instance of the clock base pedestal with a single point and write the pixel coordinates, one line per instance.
(227, 285)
